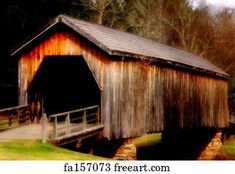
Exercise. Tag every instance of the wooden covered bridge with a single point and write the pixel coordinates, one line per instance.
(139, 86)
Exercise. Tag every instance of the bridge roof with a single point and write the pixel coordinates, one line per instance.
(119, 43)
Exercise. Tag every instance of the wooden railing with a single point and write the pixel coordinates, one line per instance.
(69, 122)
(13, 117)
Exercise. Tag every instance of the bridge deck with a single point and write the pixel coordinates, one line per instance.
(61, 128)
(33, 132)
(79, 135)
(28, 132)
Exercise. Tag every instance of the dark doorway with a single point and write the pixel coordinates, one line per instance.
(64, 83)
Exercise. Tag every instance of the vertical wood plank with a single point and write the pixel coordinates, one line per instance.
(84, 122)
(98, 116)
(44, 128)
(68, 128)
(55, 127)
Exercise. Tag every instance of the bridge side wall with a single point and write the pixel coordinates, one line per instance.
(137, 96)
(146, 98)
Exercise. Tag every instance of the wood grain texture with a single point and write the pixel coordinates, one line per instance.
(137, 96)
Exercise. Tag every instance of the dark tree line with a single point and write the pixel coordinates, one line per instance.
(18, 20)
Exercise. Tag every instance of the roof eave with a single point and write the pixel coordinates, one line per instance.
(61, 19)
(172, 63)
(25, 44)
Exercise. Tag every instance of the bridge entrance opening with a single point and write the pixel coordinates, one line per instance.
(64, 83)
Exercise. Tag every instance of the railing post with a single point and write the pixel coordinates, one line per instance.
(84, 120)
(27, 115)
(98, 115)
(18, 116)
(55, 127)
(68, 124)
(44, 128)
(10, 119)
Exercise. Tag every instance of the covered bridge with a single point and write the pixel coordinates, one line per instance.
(141, 86)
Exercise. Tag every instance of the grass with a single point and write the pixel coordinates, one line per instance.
(35, 150)
(147, 140)
(227, 152)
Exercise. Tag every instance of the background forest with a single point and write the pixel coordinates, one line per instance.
(198, 30)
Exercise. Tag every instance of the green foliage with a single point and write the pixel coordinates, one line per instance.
(229, 147)
(147, 140)
(227, 151)
(35, 150)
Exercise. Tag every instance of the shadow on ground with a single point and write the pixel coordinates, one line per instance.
(103, 148)
(174, 145)
(177, 145)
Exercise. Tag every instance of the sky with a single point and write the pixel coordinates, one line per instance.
(226, 3)
(217, 3)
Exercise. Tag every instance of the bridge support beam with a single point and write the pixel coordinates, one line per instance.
(44, 128)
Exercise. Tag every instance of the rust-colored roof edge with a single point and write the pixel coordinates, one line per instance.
(60, 19)
(44, 30)
(173, 63)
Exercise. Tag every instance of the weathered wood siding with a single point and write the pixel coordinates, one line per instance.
(137, 97)
(58, 44)
(148, 98)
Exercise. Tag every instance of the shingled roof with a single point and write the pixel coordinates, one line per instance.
(119, 43)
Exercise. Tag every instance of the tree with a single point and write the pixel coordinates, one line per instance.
(105, 12)
(143, 18)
